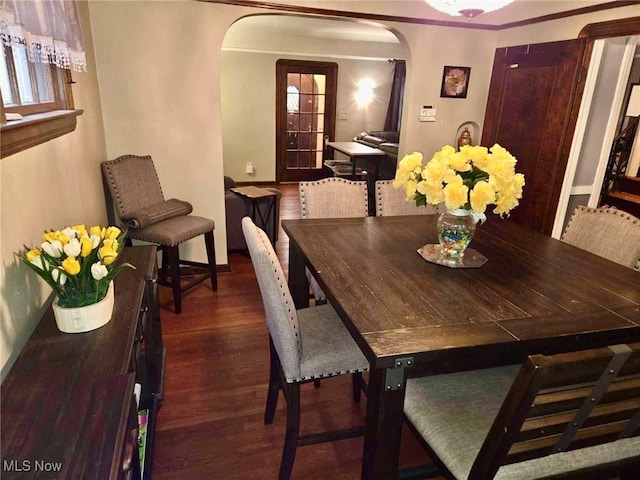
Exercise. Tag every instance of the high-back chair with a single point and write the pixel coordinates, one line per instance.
(306, 344)
(572, 416)
(606, 232)
(133, 190)
(332, 197)
(393, 201)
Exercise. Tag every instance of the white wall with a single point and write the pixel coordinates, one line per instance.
(52, 185)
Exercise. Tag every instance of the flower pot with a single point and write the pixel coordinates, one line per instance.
(455, 231)
(87, 318)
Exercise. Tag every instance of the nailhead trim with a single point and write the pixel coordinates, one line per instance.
(303, 199)
(614, 211)
(113, 186)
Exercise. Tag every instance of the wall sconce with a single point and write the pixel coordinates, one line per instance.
(364, 94)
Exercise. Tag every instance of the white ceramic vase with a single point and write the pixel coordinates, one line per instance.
(87, 318)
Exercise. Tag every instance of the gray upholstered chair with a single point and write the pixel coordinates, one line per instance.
(135, 200)
(393, 201)
(306, 344)
(332, 197)
(571, 416)
(606, 232)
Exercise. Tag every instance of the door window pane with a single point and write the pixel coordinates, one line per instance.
(320, 84)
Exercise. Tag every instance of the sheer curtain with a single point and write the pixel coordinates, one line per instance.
(49, 29)
(394, 111)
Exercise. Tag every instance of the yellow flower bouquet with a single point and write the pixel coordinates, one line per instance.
(470, 179)
(78, 264)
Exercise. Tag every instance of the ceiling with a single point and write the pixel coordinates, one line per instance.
(337, 29)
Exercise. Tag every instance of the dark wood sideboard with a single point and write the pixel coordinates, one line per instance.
(68, 409)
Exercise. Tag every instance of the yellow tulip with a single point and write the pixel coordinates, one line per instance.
(97, 231)
(50, 236)
(86, 245)
(112, 233)
(107, 255)
(33, 254)
(81, 230)
(62, 238)
(71, 265)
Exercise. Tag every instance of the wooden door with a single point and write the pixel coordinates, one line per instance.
(305, 114)
(529, 112)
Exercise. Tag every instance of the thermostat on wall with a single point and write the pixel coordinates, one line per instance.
(427, 113)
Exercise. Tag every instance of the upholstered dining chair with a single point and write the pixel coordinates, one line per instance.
(393, 201)
(135, 197)
(305, 344)
(606, 232)
(332, 197)
(571, 416)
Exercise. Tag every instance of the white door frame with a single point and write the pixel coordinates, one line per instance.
(568, 188)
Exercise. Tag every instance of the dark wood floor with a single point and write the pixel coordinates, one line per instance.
(210, 424)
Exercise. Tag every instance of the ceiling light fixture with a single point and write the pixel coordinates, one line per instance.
(468, 8)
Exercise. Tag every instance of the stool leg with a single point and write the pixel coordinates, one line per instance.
(211, 257)
(174, 271)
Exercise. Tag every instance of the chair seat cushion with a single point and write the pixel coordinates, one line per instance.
(327, 347)
(173, 231)
(454, 413)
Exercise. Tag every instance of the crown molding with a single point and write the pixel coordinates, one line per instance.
(421, 21)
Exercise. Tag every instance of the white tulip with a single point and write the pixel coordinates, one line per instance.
(69, 233)
(95, 240)
(37, 261)
(98, 271)
(53, 249)
(72, 248)
(59, 276)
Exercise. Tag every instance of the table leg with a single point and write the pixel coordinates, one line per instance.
(298, 282)
(264, 220)
(383, 429)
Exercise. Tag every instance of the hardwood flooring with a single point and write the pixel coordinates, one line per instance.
(211, 425)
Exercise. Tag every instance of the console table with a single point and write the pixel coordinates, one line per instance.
(68, 405)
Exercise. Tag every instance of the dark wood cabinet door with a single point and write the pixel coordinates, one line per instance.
(532, 91)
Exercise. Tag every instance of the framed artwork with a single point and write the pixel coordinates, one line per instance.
(455, 82)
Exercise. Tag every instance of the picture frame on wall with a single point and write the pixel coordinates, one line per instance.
(455, 82)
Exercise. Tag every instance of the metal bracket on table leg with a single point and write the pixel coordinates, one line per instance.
(395, 375)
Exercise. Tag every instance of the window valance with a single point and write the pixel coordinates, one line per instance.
(49, 29)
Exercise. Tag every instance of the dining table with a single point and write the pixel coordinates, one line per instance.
(411, 317)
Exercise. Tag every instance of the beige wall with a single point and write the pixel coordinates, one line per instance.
(52, 185)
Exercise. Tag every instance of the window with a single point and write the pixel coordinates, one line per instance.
(40, 42)
(31, 87)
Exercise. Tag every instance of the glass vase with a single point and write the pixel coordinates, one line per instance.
(455, 231)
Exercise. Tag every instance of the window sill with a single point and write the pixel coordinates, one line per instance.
(32, 130)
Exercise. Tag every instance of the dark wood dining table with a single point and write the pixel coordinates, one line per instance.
(411, 317)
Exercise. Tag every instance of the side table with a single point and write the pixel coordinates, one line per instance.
(255, 194)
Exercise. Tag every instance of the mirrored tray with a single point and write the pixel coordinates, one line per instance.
(472, 258)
